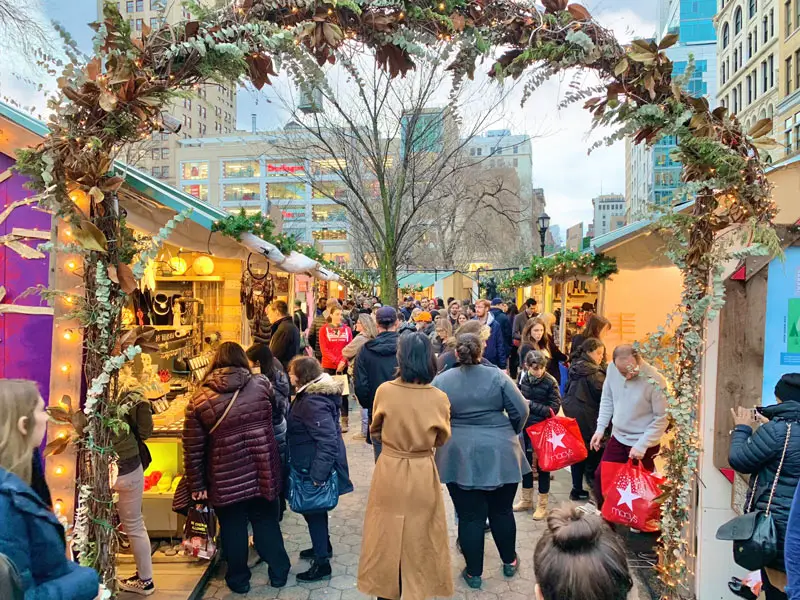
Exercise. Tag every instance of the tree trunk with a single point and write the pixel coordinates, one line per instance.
(388, 270)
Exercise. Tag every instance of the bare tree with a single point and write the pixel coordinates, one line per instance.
(21, 27)
(392, 151)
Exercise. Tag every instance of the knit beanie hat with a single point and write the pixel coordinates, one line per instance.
(788, 388)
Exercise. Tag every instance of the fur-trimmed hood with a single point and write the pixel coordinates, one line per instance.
(324, 385)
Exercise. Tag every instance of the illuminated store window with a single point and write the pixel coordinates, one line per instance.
(240, 168)
(241, 192)
(194, 170)
(198, 191)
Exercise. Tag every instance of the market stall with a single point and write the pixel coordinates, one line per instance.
(197, 290)
(438, 284)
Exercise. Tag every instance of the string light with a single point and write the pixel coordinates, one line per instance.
(62, 435)
(68, 335)
(59, 470)
(65, 368)
(71, 265)
(69, 299)
(58, 506)
(68, 232)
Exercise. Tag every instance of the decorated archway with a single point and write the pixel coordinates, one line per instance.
(119, 97)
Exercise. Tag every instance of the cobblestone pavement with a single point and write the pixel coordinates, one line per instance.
(345, 530)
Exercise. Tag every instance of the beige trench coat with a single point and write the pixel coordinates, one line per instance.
(405, 526)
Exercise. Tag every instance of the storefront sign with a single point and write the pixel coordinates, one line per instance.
(782, 333)
(288, 169)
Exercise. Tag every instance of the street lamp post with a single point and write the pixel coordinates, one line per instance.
(544, 225)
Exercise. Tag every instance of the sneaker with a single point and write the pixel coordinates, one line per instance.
(137, 586)
(319, 570)
(578, 495)
(509, 570)
(359, 437)
(472, 581)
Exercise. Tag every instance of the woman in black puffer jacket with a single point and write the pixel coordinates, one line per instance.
(582, 403)
(541, 391)
(759, 454)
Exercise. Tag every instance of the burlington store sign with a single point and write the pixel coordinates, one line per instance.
(277, 170)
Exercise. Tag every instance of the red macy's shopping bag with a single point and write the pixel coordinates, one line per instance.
(629, 493)
(557, 442)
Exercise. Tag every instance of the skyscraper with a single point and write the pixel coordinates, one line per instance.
(651, 173)
(212, 111)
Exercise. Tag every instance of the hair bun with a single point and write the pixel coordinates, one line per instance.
(572, 530)
(464, 353)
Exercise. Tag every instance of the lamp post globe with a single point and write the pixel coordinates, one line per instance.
(544, 225)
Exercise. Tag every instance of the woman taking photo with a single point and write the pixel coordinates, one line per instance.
(316, 448)
(537, 336)
(30, 534)
(771, 454)
(582, 403)
(597, 327)
(483, 462)
(404, 549)
(231, 459)
(367, 329)
(541, 391)
(333, 337)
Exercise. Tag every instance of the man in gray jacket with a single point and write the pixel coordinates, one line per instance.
(528, 312)
(633, 397)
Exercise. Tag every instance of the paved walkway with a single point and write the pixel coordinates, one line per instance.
(346, 524)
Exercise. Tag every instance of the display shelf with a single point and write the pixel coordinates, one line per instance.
(198, 278)
(171, 327)
(152, 494)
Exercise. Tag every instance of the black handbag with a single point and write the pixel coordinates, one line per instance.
(754, 537)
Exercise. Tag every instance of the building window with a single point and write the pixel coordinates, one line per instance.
(217, 127)
(771, 24)
(726, 35)
(218, 111)
(164, 153)
(764, 30)
(737, 21)
(328, 212)
(749, 45)
(241, 192)
(240, 168)
(797, 15)
(194, 170)
(752, 9)
(771, 68)
(139, 24)
(155, 153)
(764, 77)
(156, 171)
(156, 22)
(797, 69)
(165, 171)
(735, 60)
(516, 162)
(158, 4)
(479, 151)
(187, 103)
(472, 151)
(129, 6)
(202, 111)
(139, 5)
(286, 191)
(202, 128)
(755, 40)
(749, 90)
(187, 120)
(198, 191)
(787, 9)
(754, 77)
(788, 75)
(329, 234)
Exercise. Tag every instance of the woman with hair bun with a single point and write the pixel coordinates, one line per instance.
(482, 463)
(579, 557)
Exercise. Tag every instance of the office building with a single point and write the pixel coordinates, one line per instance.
(609, 214)
(211, 111)
(500, 149)
(748, 49)
(255, 172)
(652, 176)
(787, 112)
(575, 237)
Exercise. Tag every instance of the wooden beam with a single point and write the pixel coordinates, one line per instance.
(6, 175)
(30, 233)
(25, 310)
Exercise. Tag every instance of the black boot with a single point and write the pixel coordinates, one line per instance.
(320, 569)
(309, 554)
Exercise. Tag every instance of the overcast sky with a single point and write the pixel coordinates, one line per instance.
(561, 166)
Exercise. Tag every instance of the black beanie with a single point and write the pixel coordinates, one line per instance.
(788, 388)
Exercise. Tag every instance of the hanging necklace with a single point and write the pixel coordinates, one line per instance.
(161, 307)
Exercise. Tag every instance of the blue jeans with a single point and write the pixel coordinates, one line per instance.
(364, 422)
(318, 530)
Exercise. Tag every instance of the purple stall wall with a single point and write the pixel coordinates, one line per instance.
(25, 340)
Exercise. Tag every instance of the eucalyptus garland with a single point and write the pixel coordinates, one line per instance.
(563, 265)
(120, 95)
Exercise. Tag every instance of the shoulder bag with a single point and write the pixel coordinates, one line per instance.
(754, 537)
(183, 496)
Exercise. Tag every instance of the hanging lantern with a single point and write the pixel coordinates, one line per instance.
(203, 265)
(178, 265)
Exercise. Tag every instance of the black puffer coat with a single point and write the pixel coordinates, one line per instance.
(542, 395)
(583, 393)
(315, 439)
(759, 454)
(240, 460)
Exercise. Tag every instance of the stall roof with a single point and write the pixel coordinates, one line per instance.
(202, 213)
(424, 278)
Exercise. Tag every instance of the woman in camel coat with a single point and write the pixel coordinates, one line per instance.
(405, 548)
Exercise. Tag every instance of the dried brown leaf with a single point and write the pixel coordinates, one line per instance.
(127, 281)
(622, 67)
(107, 101)
(579, 12)
(58, 414)
(90, 237)
(57, 446)
(112, 274)
(668, 41)
(760, 128)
